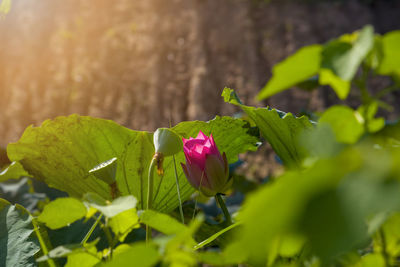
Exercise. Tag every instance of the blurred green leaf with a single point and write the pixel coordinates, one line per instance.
(178, 250)
(123, 223)
(215, 258)
(281, 130)
(368, 113)
(139, 254)
(344, 123)
(373, 260)
(62, 151)
(76, 254)
(293, 70)
(341, 87)
(13, 171)
(328, 203)
(62, 212)
(110, 209)
(343, 57)
(162, 222)
(388, 239)
(320, 143)
(17, 245)
(70, 249)
(391, 54)
(5, 7)
(83, 259)
(389, 136)
(375, 56)
(263, 220)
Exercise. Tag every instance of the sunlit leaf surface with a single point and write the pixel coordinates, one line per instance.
(300, 66)
(62, 212)
(281, 130)
(62, 151)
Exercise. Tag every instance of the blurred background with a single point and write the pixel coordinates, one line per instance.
(142, 63)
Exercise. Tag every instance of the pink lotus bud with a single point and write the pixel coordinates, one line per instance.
(206, 169)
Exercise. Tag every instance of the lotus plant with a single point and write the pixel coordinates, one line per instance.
(206, 169)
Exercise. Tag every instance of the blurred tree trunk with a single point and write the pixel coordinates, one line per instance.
(144, 63)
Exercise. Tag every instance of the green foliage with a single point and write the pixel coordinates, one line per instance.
(344, 56)
(5, 7)
(337, 62)
(335, 204)
(62, 212)
(281, 130)
(123, 223)
(82, 259)
(140, 255)
(17, 245)
(62, 151)
(390, 64)
(87, 254)
(110, 209)
(323, 203)
(14, 170)
(344, 123)
(162, 222)
(299, 67)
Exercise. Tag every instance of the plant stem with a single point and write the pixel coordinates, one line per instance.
(218, 198)
(149, 203)
(42, 243)
(109, 238)
(384, 251)
(179, 192)
(88, 234)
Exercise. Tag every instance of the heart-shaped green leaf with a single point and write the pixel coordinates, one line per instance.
(72, 210)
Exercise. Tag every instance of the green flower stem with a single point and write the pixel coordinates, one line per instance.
(179, 192)
(107, 231)
(150, 181)
(42, 243)
(88, 234)
(218, 198)
(384, 248)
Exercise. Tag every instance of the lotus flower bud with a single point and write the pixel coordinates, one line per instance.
(166, 143)
(206, 169)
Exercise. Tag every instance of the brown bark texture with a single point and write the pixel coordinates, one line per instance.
(146, 63)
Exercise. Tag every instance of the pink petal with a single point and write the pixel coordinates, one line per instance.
(215, 171)
(201, 136)
(193, 142)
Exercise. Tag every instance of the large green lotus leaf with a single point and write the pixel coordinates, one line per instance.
(297, 68)
(62, 151)
(281, 130)
(17, 246)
